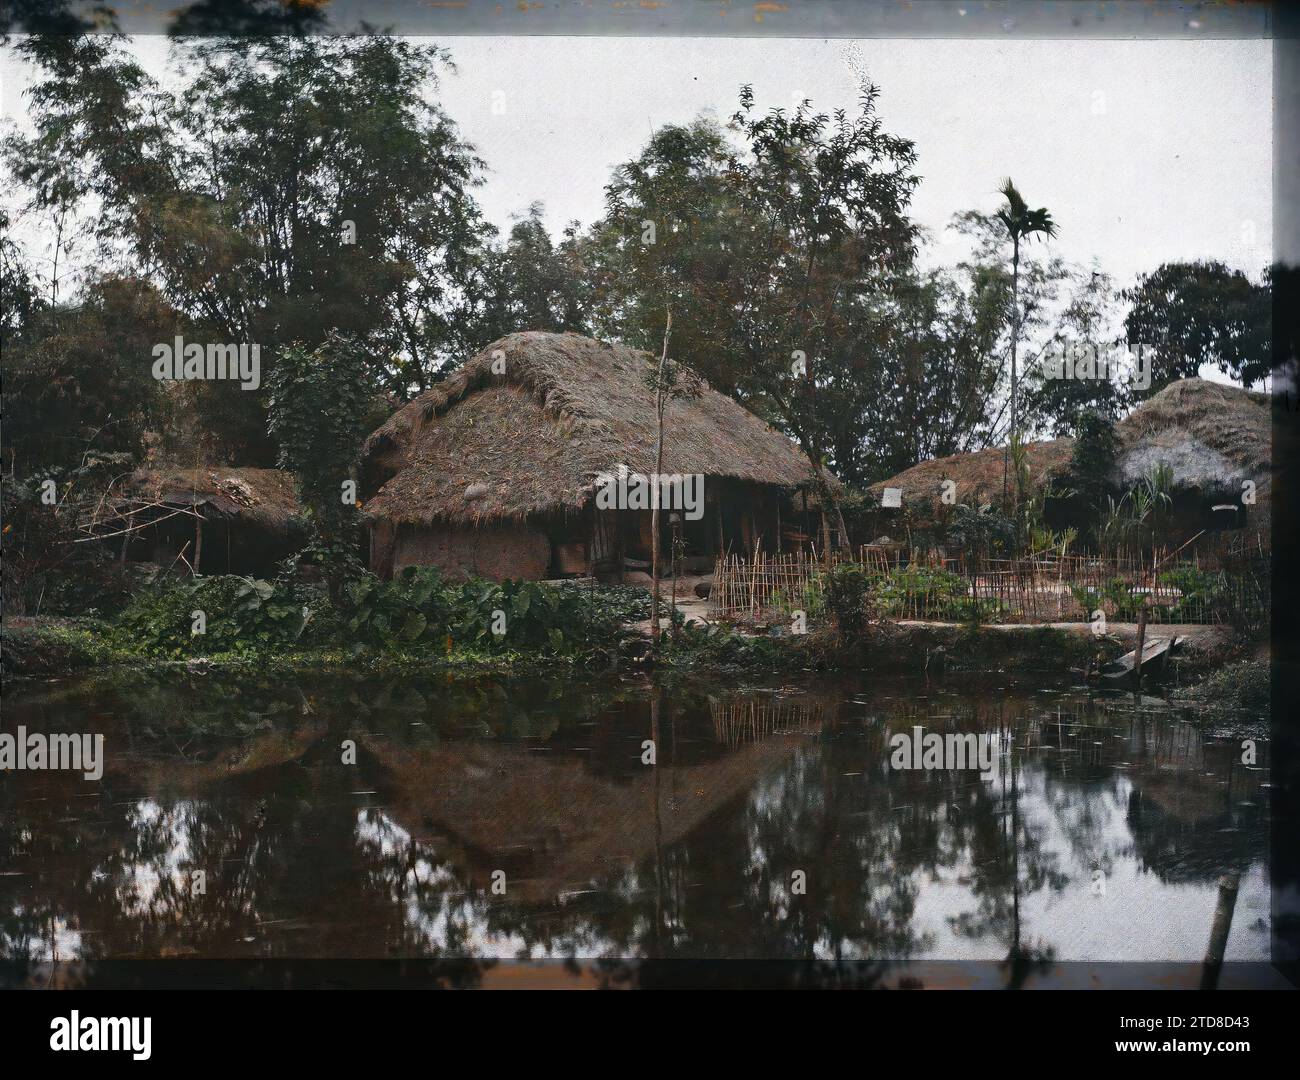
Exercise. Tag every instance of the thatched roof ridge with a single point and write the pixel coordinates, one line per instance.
(260, 498)
(534, 435)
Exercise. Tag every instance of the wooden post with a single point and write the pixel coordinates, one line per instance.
(593, 524)
(198, 540)
(1223, 910)
(675, 520)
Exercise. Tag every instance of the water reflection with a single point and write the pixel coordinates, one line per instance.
(493, 820)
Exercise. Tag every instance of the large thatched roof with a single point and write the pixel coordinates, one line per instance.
(259, 498)
(1212, 436)
(483, 446)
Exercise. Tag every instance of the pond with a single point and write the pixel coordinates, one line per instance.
(329, 815)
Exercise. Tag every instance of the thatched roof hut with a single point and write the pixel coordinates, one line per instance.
(979, 476)
(259, 498)
(520, 435)
(1213, 437)
(564, 409)
(222, 519)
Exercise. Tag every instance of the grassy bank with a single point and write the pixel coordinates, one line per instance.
(419, 622)
(1231, 690)
(52, 647)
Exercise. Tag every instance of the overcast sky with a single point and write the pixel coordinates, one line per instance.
(1144, 151)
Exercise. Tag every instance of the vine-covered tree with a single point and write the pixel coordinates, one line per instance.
(318, 403)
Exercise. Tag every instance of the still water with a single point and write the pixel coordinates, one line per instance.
(491, 819)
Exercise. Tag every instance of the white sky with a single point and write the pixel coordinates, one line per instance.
(1144, 151)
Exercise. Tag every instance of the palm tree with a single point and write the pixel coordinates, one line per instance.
(1021, 223)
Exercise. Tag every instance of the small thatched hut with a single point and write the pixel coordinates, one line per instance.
(214, 520)
(1212, 437)
(494, 472)
(978, 477)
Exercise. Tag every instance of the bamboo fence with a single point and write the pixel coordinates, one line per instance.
(1034, 589)
(744, 720)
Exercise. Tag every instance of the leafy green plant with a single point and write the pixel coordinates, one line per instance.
(1093, 461)
(240, 616)
(924, 591)
(1200, 592)
(810, 598)
(417, 610)
(980, 532)
(1137, 520)
(1115, 597)
(721, 645)
(848, 597)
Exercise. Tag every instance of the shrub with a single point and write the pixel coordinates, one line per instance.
(1116, 597)
(980, 533)
(242, 616)
(923, 592)
(1200, 592)
(848, 598)
(418, 610)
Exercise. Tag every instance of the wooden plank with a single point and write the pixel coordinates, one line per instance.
(1154, 650)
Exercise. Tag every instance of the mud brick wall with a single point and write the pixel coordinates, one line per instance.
(494, 552)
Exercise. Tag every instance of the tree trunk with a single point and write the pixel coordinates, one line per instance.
(656, 491)
(672, 562)
(1015, 336)
(198, 542)
(1015, 329)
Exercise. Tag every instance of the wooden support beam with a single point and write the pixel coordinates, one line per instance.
(198, 541)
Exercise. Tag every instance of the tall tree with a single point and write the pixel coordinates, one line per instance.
(1196, 313)
(668, 240)
(775, 249)
(285, 177)
(825, 204)
(1021, 224)
(73, 378)
(532, 283)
